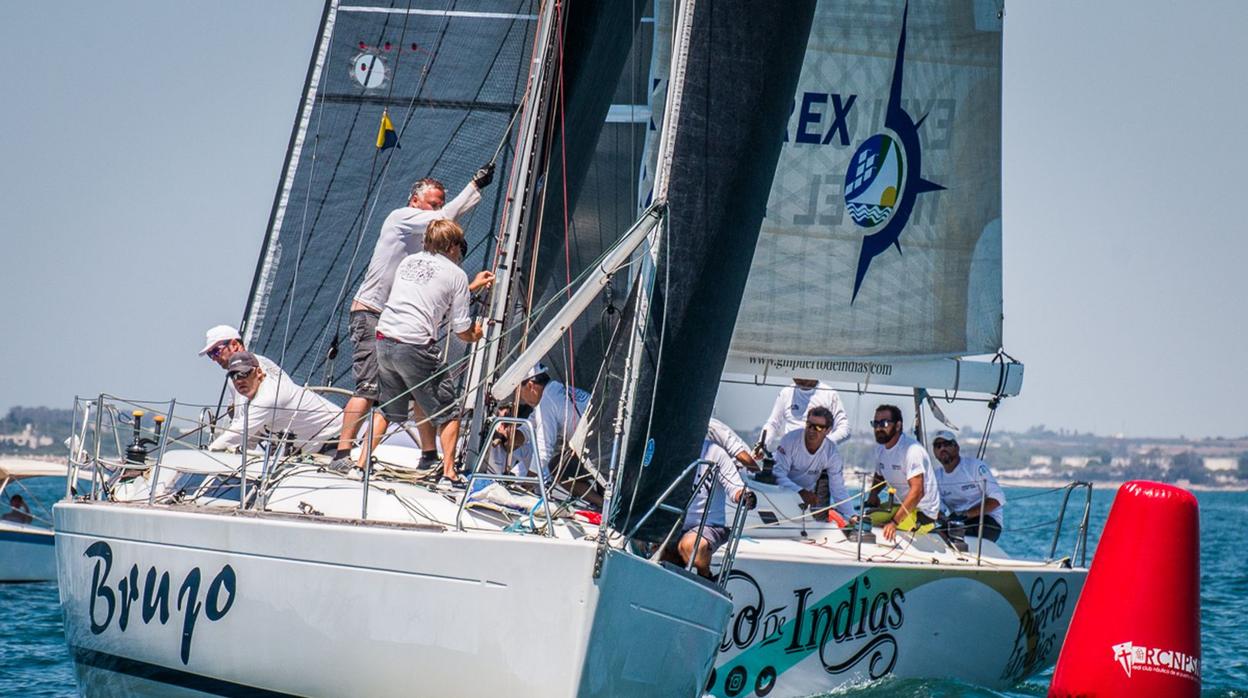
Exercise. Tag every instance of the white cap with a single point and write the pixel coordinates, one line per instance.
(946, 435)
(538, 369)
(218, 334)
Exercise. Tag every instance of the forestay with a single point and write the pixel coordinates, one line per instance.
(881, 247)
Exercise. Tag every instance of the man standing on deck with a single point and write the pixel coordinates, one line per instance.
(902, 464)
(428, 286)
(804, 454)
(965, 483)
(792, 405)
(402, 234)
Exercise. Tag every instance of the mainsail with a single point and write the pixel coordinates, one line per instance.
(451, 79)
(881, 249)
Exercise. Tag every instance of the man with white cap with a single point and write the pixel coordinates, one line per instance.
(402, 234)
(278, 409)
(965, 483)
(557, 410)
(794, 402)
(222, 342)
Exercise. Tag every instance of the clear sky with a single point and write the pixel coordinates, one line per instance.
(141, 145)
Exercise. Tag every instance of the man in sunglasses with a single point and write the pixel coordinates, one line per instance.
(794, 402)
(803, 455)
(965, 481)
(220, 344)
(428, 286)
(402, 234)
(273, 407)
(902, 464)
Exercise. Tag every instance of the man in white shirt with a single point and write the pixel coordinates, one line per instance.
(428, 286)
(902, 464)
(402, 234)
(965, 481)
(726, 438)
(715, 532)
(221, 343)
(789, 411)
(804, 454)
(308, 421)
(557, 410)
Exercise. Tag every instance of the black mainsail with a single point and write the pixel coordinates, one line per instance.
(451, 77)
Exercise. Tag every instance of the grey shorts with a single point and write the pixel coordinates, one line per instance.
(362, 327)
(714, 535)
(405, 372)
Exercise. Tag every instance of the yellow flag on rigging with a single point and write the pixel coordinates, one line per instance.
(386, 135)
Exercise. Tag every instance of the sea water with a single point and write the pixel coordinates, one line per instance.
(34, 660)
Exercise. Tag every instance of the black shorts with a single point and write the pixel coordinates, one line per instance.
(362, 327)
(992, 529)
(416, 372)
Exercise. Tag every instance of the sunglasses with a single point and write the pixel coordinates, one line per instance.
(942, 444)
(214, 352)
(882, 423)
(816, 427)
(240, 375)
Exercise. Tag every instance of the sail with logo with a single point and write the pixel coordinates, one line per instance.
(879, 259)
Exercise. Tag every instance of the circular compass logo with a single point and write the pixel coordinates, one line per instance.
(875, 179)
(369, 70)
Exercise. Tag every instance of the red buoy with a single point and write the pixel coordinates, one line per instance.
(1136, 628)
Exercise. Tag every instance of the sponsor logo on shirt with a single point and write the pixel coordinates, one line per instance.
(417, 271)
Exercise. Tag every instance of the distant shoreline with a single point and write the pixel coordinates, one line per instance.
(1115, 484)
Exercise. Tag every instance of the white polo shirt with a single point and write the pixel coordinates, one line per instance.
(728, 482)
(960, 490)
(798, 469)
(903, 461)
(283, 406)
(554, 419)
(403, 234)
(788, 413)
(427, 287)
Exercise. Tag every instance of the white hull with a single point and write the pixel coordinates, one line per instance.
(288, 605)
(26, 553)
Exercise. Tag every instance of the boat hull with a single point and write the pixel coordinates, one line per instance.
(283, 605)
(802, 626)
(26, 554)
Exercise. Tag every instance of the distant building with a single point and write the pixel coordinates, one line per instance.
(1041, 461)
(1077, 461)
(1217, 464)
(27, 438)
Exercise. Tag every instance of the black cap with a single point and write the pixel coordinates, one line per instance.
(242, 362)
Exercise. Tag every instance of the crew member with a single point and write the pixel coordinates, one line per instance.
(18, 511)
(402, 234)
(803, 454)
(278, 408)
(428, 286)
(964, 483)
(715, 533)
(221, 343)
(793, 404)
(723, 436)
(902, 464)
(557, 410)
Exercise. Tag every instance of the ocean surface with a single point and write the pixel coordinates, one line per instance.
(34, 660)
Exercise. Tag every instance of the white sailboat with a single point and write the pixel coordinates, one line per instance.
(26, 547)
(879, 269)
(197, 572)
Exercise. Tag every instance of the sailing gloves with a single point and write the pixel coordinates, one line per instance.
(484, 176)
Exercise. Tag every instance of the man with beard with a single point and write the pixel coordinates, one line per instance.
(902, 464)
(964, 482)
